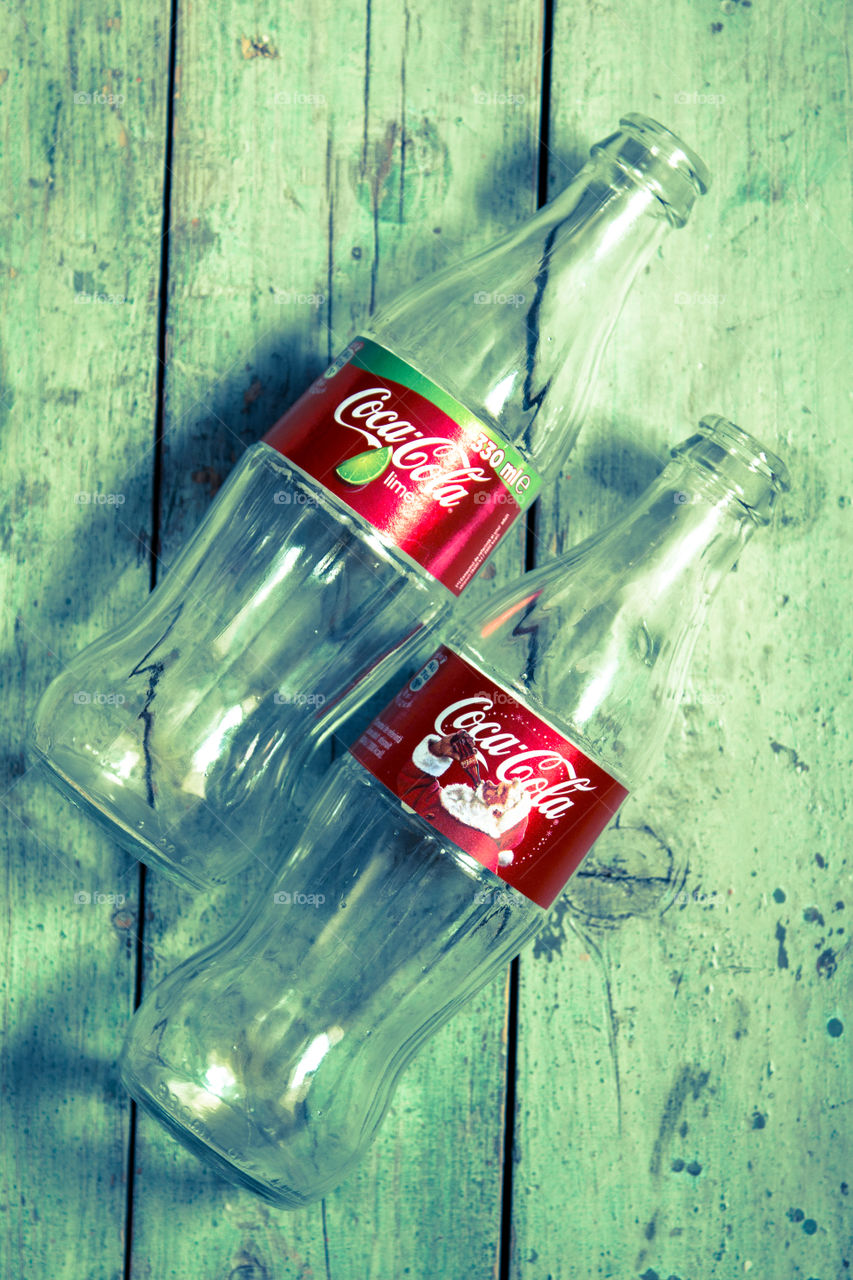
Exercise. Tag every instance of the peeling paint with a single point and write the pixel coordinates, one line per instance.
(782, 955)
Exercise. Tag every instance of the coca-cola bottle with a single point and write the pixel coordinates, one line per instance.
(435, 847)
(356, 521)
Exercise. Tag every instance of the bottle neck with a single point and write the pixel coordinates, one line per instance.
(663, 562)
(656, 159)
(517, 333)
(597, 237)
(671, 550)
(600, 639)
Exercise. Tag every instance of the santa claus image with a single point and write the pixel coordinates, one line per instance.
(487, 819)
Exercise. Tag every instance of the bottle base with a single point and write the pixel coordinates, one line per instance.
(118, 826)
(283, 1198)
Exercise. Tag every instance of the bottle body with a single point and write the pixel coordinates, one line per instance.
(276, 1060)
(405, 472)
(433, 851)
(184, 725)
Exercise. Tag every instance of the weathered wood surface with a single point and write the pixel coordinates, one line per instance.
(307, 187)
(82, 206)
(684, 1074)
(684, 1095)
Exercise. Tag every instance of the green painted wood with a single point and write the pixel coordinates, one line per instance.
(684, 1067)
(336, 173)
(683, 1106)
(81, 211)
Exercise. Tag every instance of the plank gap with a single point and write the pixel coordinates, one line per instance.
(505, 1252)
(530, 545)
(156, 497)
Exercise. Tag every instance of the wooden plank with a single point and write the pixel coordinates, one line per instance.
(685, 1070)
(81, 211)
(343, 167)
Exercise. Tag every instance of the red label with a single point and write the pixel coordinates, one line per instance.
(490, 775)
(409, 459)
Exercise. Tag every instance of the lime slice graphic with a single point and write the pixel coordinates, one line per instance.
(366, 466)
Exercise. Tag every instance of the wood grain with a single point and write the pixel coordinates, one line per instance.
(81, 212)
(682, 1098)
(684, 1073)
(351, 163)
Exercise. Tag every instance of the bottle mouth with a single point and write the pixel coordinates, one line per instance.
(657, 159)
(750, 471)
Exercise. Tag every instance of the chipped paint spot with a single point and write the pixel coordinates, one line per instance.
(291, 197)
(203, 235)
(690, 1080)
(782, 956)
(257, 47)
(404, 174)
(124, 918)
(209, 476)
(252, 393)
(779, 748)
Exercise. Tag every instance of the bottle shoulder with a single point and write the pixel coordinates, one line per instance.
(353, 785)
(299, 490)
(567, 727)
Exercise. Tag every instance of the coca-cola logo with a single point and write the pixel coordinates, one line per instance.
(441, 467)
(546, 774)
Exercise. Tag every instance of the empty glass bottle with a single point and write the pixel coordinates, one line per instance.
(355, 523)
(435, 847)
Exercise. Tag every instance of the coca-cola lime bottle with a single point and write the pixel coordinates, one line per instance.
(356, 521)
(435, 847)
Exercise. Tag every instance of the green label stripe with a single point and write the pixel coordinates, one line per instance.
(375, 359)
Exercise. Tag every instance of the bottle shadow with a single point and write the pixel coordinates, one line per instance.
(92, 539)
(200, 446)
(618, 459)
(610, 468)
(92, 1132)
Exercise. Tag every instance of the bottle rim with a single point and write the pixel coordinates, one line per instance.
(746, 447)
(656, 158)
(662, 141)
(758, 477)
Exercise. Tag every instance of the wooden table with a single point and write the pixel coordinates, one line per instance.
(200, 207)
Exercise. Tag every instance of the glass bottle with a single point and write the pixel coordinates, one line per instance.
(354, 524)
(274, 1053)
